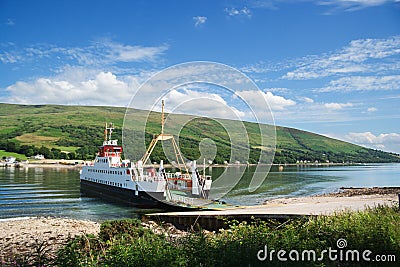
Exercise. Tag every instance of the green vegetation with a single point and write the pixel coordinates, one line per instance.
(5, 154)
(128, 243)
(75, 132)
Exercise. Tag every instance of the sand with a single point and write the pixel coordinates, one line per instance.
(24, 238)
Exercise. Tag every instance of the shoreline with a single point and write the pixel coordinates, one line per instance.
(22, 236)
(77, 164)
(346, 199)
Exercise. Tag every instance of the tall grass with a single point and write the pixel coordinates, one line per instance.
(375, 229)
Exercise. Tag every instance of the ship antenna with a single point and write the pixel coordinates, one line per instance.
(162, 116)
(105, 133)
(111, 128)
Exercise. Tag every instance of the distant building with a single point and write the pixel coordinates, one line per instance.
(38, 156)
(10, 159)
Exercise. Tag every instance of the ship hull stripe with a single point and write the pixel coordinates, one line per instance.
(128, 196)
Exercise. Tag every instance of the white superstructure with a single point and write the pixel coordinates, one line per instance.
(141, 184)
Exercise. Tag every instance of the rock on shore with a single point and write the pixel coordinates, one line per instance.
(363, 191)
(28, 239)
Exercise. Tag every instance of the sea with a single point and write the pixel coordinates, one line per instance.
(37, 191)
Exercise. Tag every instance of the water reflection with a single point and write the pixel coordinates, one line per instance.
(56, 191)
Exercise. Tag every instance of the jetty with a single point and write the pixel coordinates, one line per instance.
(277, 209)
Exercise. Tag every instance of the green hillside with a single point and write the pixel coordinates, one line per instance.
(75, 132)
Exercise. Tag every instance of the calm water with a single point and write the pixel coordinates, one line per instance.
(56, 192)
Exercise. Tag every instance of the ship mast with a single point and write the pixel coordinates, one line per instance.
(107, 134)
(164, 137)
(109, 129)
(162, 116)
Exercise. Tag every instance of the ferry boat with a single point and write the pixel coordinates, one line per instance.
(141, 184)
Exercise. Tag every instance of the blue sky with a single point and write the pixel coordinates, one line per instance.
(328, 66)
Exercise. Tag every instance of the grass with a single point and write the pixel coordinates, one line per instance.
(128, 243)
(37, 140)
(67, 148)
(12, 154)
(41, 125)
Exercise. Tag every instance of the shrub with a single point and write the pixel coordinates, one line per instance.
(127, 243)
(115, 228)
(81, 251)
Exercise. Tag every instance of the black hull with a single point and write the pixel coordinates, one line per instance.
(126, 196)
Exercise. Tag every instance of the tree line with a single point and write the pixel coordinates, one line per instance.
(89, 138)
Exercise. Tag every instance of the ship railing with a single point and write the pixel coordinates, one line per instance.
(170, 175)
(151, 178)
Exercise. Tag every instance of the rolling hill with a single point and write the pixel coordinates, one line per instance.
(75, 132)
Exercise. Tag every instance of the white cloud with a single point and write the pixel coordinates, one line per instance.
(10, 22)
(278, 102)
(353, 5)
(388, 142)
(233, 12)
(337, 106)
(358, 57)
(372, 109)
(102, 89)
(193, 102)
(199, 20)
(277, 90)
(363, 83)
(275, 102)
(100, 53)
(307, 100)
(128, 53)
